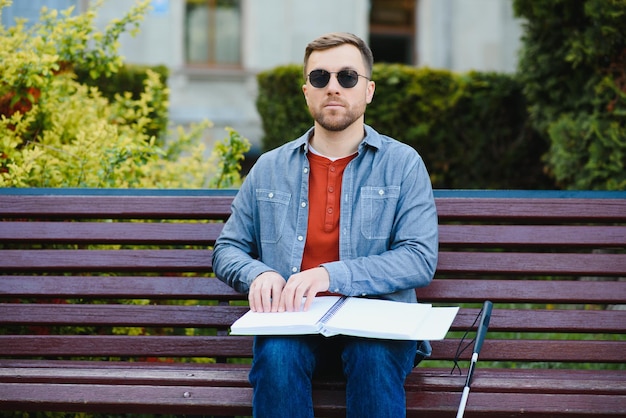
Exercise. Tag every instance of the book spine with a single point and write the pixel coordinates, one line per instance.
(333, 310)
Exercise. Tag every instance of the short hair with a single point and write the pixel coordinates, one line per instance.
(335, 39)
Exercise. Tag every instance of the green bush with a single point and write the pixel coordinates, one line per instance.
(280, 103)
(131, 79)
(58, 132)
(573, 68)
(471, 129)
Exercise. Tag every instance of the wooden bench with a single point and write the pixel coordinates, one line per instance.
(108, 305)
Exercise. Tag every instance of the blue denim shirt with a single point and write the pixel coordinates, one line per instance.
(388, 221)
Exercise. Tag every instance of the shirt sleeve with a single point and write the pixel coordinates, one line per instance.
(235, 254)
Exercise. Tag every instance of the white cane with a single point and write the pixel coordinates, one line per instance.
(480, 338)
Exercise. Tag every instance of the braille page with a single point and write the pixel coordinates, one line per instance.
(374, 318)
(284, 323)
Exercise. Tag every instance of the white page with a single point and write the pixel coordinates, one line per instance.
(284, 323)
(436, 326)
(376, 318)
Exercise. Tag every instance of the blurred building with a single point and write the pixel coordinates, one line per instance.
(215, 48)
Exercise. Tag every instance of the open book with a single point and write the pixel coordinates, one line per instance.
(359, 317)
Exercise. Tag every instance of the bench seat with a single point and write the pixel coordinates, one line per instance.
(108, 305)
(193, 389)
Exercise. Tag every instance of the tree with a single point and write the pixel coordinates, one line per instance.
(573, 67)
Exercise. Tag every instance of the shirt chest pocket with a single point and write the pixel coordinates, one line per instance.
(378, 207)
(273, 208)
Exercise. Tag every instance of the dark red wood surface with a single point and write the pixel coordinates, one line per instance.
(138, 287)
(223, 400)
(70, 265)
(576, 351)
(115, 207)
(129, 233)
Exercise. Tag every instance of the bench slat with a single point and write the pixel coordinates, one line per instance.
(237, 346)
(518, 320)
(130, 373)
(207, 233)
(119, 207)
(532, 263)
(523, 291)
(200, 260)
(602, 382)
(214, 207)
(109, 233)
(124, 399)
(605, 382)
(106, 260)
(506, 405)
(228, 400)
(152, 287)
(440, 290)
(526, 210)
(121, 315)
(532, 236)
(550, 321)
(577, 351)
(125, 346)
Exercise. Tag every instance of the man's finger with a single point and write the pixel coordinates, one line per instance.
(286, 298)
(253, 299)
(298, 296)
(276, 296)
(309, 299)
(266, 297)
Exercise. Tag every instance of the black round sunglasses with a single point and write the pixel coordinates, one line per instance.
(346, 78)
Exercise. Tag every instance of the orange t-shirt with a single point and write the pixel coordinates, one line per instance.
(322, 240)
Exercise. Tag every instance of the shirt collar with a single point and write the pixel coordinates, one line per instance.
(372, 139)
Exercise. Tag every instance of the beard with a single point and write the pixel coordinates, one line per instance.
(336, 120)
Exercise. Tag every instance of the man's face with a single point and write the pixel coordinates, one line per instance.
(335, 107)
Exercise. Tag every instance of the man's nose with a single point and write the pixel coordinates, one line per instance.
(333, 84)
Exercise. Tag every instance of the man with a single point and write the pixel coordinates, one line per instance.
(341, 210)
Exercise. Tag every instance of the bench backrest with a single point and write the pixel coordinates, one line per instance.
(100, 275)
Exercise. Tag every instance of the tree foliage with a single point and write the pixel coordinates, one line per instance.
(57, 132)
(573, 68)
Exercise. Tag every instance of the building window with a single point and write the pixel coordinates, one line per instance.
(392, 31)
(213, 32)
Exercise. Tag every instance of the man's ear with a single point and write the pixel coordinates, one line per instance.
(369, 92)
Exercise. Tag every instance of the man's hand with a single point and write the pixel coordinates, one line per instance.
(304, 284)
(265, 292)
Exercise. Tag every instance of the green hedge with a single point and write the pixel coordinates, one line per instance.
(130, 79)
(471, 129)
(573, 67)
(280, 103)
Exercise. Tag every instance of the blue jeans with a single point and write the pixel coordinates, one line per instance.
(375, 371)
